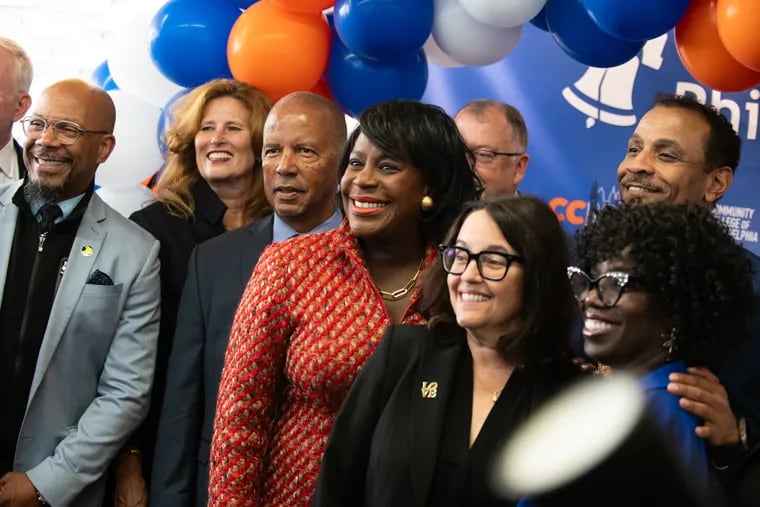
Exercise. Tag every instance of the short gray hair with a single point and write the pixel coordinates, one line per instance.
(511, 114)
(22, 65)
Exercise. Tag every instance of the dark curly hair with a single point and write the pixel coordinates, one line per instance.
(532, 228)
(426, 137)
(684, 258)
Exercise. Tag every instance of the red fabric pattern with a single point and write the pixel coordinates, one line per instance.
(308, 319)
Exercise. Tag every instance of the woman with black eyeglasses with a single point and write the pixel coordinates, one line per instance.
(662, 288)
(429, 408)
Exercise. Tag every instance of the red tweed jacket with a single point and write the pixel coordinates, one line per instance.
(308, 320)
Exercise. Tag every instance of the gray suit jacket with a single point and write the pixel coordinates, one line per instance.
(91, 384)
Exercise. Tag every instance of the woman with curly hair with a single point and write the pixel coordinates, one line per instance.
(662, 288)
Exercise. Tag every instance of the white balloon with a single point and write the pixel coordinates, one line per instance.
(126, 200)
(136, 155)
(436, 55)
(351, 123)
(503, 13)
(130, 63)
(467, 40)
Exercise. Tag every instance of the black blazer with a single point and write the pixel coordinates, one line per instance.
(388, 418)
(218, 272)
(177, 237)
(20, 154)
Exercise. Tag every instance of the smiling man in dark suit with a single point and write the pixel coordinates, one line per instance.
(15, 81)
(79, 309)
(303, 140)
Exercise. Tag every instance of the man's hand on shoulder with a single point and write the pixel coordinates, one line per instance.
(703, 395)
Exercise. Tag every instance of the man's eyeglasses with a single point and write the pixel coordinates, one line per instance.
(66, 132)
(609, 286)
(491, 265)
(486, 157)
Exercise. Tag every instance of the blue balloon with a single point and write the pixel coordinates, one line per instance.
(639, 20)
(101, 76)
(357, 83)
(166, 120)
(578, 36)
(243, 4)
(539, 21)
(382, 29)
(188, 41)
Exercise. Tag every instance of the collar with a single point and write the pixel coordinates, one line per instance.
(207, 203)
(282, 231)
(658, 379)
(9, 169)
(68, 206)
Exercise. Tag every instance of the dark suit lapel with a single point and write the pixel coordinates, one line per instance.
(89, 238)
(434, 384)
(20, 155)
(260, 235)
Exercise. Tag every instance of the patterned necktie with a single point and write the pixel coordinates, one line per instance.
(49, 213)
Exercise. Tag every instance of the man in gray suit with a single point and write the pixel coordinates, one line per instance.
(79, 309)
(303, 140)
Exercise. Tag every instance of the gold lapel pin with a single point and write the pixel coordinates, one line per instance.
(429, 389)
(87, 251)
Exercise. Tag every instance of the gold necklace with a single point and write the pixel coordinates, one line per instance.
(403, 291)
(496, 395)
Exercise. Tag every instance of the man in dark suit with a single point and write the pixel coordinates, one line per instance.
(303, 140)
(683, 151)
(79, 309)
(15, 81)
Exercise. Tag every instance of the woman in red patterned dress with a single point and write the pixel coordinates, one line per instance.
(317, 305)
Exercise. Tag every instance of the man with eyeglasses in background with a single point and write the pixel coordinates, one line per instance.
(496, 133)
(15, 81)
(79, 309)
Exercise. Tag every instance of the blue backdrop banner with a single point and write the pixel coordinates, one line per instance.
(580, 118)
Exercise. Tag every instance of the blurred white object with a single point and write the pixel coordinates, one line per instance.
(126, 200)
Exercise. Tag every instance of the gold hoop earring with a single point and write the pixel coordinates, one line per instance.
(427, 203)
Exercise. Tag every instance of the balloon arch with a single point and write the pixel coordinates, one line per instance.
(360, 52)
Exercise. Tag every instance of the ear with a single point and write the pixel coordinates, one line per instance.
(719, 180)
(522, 166)
(106, 147)
(22, 106)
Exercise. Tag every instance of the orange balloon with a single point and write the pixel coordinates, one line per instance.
(276, 50)
(739, 29)
(305, 5)
(703, 54)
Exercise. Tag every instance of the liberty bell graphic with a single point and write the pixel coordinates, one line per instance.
(606, 95)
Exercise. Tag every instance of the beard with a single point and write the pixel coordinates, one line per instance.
(35, 191)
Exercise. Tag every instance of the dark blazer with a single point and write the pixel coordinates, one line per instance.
(20, 154)
(218, 272)
(740, 372)
(387, 418)
(177, 237)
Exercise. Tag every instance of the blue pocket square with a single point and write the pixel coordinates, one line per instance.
(99, 278)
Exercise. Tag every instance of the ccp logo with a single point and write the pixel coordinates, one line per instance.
(574, 212)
